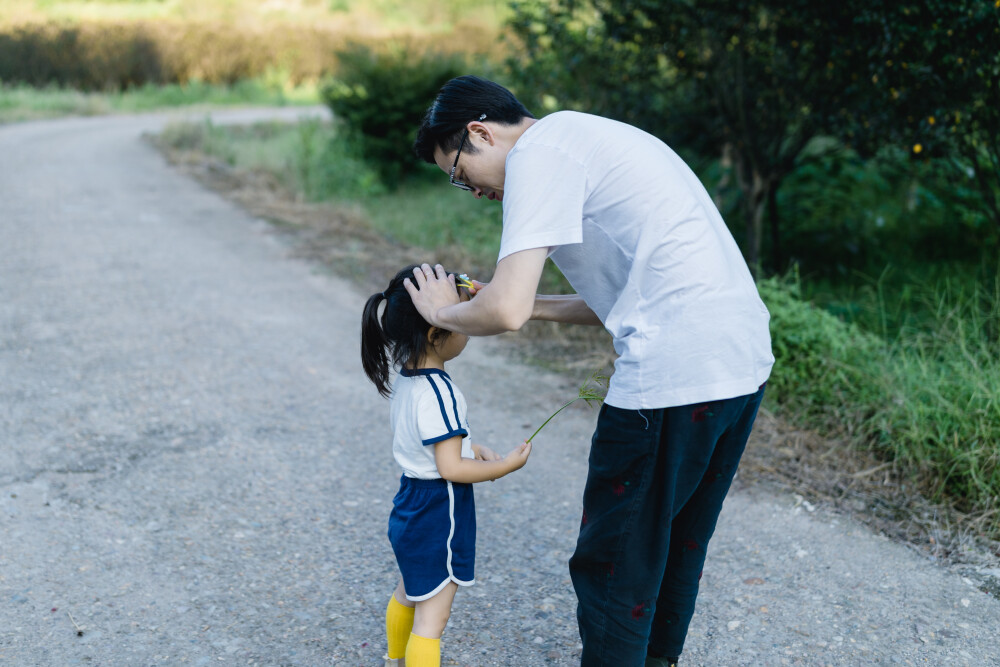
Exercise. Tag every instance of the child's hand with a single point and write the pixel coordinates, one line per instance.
(518, 456)
(484, 453)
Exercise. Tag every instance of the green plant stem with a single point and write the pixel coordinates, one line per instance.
(553, 415)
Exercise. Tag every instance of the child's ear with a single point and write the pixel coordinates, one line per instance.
(435, 335)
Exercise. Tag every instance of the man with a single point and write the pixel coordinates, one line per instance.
(639, 239)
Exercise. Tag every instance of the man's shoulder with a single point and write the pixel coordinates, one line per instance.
(559, 120)
(580, 134)
(554, 138)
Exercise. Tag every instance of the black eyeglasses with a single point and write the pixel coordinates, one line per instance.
(459, 184)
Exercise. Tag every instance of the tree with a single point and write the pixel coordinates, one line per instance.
(748, 79)
(755, 81)
(381, 95)
(932, 87)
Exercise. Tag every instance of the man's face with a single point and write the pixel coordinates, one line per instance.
(483, 170)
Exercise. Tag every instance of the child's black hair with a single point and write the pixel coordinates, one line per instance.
(401, 332)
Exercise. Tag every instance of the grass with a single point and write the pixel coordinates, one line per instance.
(924, 397)
(20, 103)
(943, 378)
(432, 215)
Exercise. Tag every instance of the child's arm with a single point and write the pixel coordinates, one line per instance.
(451, 465)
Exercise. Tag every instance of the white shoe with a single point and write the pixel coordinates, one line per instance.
(393, 662)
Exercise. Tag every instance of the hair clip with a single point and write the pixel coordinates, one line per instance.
(463, 280)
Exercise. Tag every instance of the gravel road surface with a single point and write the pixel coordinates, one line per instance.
(194, 470)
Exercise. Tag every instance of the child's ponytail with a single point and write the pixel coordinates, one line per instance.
(374, 344)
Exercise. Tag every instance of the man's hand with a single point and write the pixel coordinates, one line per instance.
(504, 304)
(431, 290)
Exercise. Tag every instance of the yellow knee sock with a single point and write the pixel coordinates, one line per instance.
(398, 623)
(423, 652)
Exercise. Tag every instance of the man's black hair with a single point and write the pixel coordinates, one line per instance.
(458, 103)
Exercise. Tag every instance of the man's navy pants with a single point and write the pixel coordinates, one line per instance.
(655, 488)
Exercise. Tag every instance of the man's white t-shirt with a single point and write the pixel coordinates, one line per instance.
(640, 240)
(425, 408)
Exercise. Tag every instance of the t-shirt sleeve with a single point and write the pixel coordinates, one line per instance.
(544, 190)
(438, 414)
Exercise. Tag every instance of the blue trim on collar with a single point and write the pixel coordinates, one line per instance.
(416, 372)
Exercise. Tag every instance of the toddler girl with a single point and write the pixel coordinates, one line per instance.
(432, 526)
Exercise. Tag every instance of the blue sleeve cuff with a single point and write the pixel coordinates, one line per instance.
(433, 441)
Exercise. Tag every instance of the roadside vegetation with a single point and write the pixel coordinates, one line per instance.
(22, 102)
(875, 235)
(113, 45)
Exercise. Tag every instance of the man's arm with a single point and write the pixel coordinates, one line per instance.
(504, 304)
(566, 308)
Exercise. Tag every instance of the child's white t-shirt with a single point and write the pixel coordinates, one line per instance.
(425, 407)
(640, 239)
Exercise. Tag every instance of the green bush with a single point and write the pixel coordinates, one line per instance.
(928, 399)
(381, 97)
(329, 165)
(823, 367)
(840, 214)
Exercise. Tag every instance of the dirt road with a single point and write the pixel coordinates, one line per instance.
(194, 470)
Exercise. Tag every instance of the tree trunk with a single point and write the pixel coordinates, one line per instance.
(777, 260)
(754, 207)
(726, 166)
(758, 192)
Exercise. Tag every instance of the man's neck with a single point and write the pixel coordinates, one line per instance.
(509, 134)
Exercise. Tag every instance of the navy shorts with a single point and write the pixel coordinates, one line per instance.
(432, 529)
